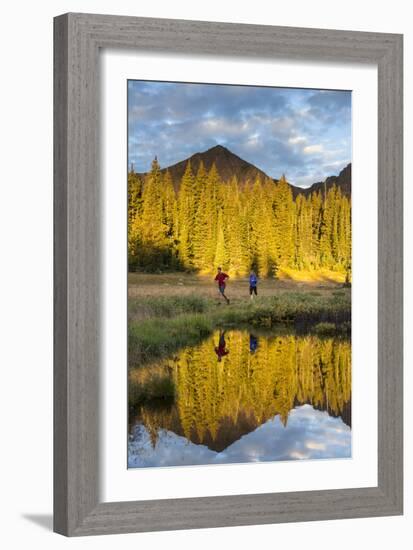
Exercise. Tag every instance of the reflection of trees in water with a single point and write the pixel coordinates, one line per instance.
(218, 402)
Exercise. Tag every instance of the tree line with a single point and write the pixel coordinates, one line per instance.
(259, 225)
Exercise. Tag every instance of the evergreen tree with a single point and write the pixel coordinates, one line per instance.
(327, 239)
(168, 204)
(200, 223)
(303, 233)
(153, 228)
(316, 219)
(284, 212)
(234, 229)
(221, 252)
(135, 188)
(170, 218)
(207, 216)
(153, 243)
(188, 202)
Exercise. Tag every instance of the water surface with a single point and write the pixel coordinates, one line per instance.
(243, 397)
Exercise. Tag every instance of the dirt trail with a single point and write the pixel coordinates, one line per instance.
(172, 284)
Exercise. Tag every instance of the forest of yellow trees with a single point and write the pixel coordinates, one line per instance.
(207, 222)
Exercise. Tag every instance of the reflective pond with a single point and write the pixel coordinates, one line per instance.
(242, 397)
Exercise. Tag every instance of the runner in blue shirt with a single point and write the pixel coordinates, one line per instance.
(253, 284)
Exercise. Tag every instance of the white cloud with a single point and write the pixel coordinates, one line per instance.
(310, 149)
(253, 141)
(282, 124)
(335, 164)
(214, 124)
(297, 140)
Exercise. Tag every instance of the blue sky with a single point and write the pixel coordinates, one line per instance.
(303, 133)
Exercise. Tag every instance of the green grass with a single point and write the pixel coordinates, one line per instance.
(325, 329)
(331, 329)
(292, 307)
(170, 323)
(338, 293)
(160, 337)
(166, 306)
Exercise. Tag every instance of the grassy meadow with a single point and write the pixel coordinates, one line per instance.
(172, 310)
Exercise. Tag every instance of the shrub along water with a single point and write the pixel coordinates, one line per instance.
(148, 385)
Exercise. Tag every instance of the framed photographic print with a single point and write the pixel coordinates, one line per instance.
(228, 274)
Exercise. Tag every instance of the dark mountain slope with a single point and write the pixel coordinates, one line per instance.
(343, 180)
(228, 165)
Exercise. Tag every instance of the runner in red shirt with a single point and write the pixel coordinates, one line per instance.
(220, 278)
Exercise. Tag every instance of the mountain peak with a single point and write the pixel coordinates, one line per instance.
(217, 148)
(227, 163)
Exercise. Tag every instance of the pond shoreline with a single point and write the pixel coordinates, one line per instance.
(160, 326)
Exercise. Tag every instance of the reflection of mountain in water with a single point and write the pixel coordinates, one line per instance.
(218, 402)
(344, 413)
(310, 434)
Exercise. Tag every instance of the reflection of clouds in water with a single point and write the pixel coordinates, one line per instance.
(314, 445)
(310, 434)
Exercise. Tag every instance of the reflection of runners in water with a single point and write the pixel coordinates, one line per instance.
(253, 284)
(221, 349)
(253, 343)
(220, 278)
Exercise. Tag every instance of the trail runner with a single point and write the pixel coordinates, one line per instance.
(253, 284)
(221, 278)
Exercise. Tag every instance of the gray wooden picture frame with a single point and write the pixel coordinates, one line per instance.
(78, 39)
